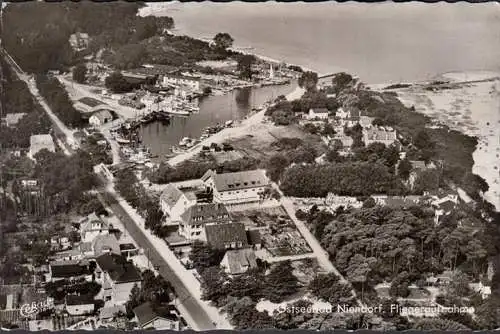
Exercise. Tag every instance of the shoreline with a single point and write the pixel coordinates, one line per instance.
(471, 108)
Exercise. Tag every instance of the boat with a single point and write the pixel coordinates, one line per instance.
(229, 123)
(184, 141)
(122, 141)
(178, 112)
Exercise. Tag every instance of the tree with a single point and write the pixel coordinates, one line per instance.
(204, 256)
(358, 270)
(341, 81)
(329, 288)
(79, 73)
(308, 80)
(399, 286)
(404, 169)
(223, 41)
(422, 140)
(244, 66)
(276, 165)
(281, 282)
(117, 83)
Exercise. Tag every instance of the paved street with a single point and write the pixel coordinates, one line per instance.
(190, 304)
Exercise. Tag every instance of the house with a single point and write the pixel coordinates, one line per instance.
(353, 118)
(59, 270)
(92, 226)
(100, 117)
(317, 113)
(12, 119)
(79, 304)
(342, 114)
(417, 166)
(150, 316)
(254, 239)
(40, 142)
(79, 41)
(196, 217)
(238, 261)
(117, 277)
(88, 105)
(443, 206)
(384, 135)
(174, 202)
(68, 255)
(226, 236)
(172, 79)
(237, 188)
(105, 244)
(60, 243)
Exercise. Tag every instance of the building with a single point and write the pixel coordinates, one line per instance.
(108, 314)
(128, 250)
(172, 79)
(88, 105)
(237, 188)
(59, 270)
(365, 121)
(79, 305)
(79, 41)
(40, 142)
(384, 135)
(117, 277)
(483, 290)
(92, 226)
(196, 217)
(40, 325)
(317, 113)
(174, 202)
(254, 239)
(238, 261)
(12, 119)
(100, 117)
(226, 236)
(160, 318)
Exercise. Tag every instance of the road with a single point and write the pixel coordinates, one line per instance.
(67, 140)
(319, 252)
(189, 303)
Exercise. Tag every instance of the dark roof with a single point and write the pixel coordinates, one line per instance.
(205, 213)
(220, 235)
(320, 110)
(240, 180)
(118, 268)
(79, 299)
(90, 101)
(69, 270)
(254, 237)
(240, 260)
(447, 206)
(124, 247)
(147, 312)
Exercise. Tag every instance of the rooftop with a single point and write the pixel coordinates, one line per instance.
(171, 195)
(106, 243)
(240, 180)
(68, 269)
(220, 235)
(205, 213)
(147, 312)
(13, 118)
(240, 260)
(118, 268)
(91, 102)
(79, 299)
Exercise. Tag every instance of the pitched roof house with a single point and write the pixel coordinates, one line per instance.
(159, 318)
(100, 117)
(194, 219)
(174, 202)
(237, 188)
(226, 236)
(92, 226)
(317, 113)
(238, 261)
(106, 244)
(12, 119)
(59, 270)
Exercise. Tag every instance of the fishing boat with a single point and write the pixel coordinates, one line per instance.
(184, 141)
(229, 123)
(122, 141)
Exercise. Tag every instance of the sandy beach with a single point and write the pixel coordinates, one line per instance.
(474, 109)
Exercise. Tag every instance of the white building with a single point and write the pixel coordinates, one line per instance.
(193, 83)
(91, 227)
(196, 217)
(100, 117)
(79, 41)
(317, 113)
(174, 202)
(239, 188)
(335, 201)
(40, 142)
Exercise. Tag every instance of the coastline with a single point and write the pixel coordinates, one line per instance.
(473, 109)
